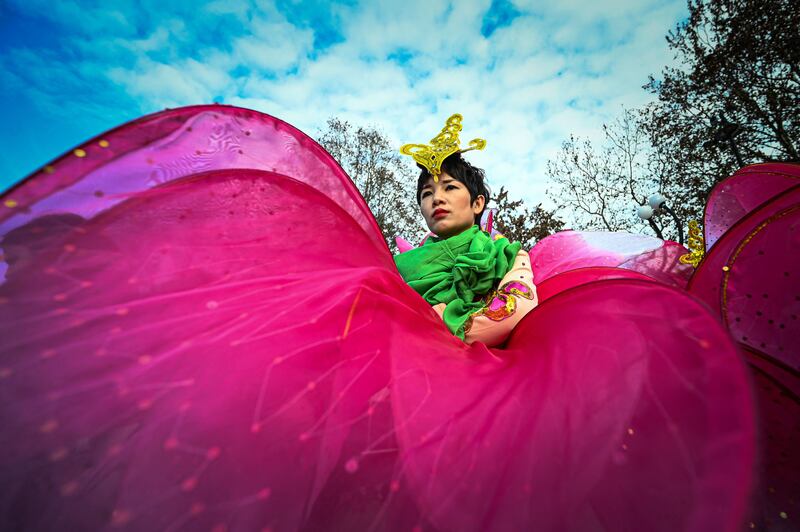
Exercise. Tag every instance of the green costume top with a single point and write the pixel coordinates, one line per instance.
(457, 271)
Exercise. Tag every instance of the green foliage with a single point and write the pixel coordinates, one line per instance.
(736, 89)
(520, 224)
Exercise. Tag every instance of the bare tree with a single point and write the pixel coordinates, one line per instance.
(600, 187)
(384, 179)
(732, 98)
(388, 184)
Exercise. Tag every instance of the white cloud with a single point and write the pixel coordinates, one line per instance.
(239, 8)
(273, 46)
(553, 71)
(164, 85)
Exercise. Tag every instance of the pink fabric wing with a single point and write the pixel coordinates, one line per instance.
(195, 348)
(736, 196)
(175, 143)
(599, 388)
(778, 401)
(569, 250)
(580, 276)
(749, 279)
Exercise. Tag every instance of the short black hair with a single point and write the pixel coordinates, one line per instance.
(472, 177)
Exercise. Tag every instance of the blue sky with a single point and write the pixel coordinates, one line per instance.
(524, 73)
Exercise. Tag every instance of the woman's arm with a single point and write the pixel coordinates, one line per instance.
(505, 307)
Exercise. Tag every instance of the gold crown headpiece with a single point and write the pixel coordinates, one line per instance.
(441, 147)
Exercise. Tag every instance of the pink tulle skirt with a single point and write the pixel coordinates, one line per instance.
(201, 328)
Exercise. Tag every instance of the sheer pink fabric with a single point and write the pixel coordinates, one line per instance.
(165, 146)
(572, 278)
(570, 250)
(749, 278)
(214, 344)
(733, 198)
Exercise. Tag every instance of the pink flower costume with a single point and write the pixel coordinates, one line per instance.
(202, 329)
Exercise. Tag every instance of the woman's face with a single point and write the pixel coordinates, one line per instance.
(446, 206)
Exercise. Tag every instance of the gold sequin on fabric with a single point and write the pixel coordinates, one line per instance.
(507, 294)
(79, 152)
(696, 245)
(468, 324)
(10, 203)
(499, 314)
(49, 169)
(103, 143)
(508, 288)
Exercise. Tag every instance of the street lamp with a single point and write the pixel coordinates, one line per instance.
(656, 204)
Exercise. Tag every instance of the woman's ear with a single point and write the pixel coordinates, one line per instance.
(477, 205)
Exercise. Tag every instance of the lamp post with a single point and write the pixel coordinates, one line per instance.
(656, 204)
(646, 212)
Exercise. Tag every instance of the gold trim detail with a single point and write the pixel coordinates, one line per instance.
(696, 245)
(738, 251)
(442, 146)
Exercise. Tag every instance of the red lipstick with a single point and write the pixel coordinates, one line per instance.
(440, 213)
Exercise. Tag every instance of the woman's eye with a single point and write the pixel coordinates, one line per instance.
(425, 194)
(450, 187)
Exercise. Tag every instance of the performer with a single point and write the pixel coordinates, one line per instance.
(223, 341)
(480, 286)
